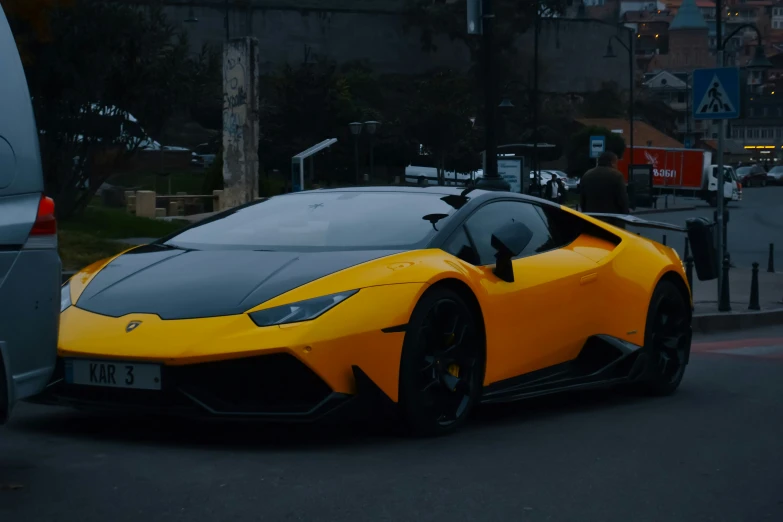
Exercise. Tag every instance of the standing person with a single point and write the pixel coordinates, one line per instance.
(602, 189)
(554, 189)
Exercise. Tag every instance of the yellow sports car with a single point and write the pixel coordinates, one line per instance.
(428, 299)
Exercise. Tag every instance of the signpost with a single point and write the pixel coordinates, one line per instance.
(511, 171)
(716, 96)
(597, 146)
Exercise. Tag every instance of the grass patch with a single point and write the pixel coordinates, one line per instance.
(78, 249)
(110, 223)
(92, 236)
(189, 181)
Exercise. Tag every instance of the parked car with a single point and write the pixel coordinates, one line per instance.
(30, 268)
(752, 176)
(775, 175)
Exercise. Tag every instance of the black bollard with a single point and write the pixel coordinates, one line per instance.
(689, 271)
(664, 240)
(754, 289)
(724, 305)
(771, 262)
(687, 248)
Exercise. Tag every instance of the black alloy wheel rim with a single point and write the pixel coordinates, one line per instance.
(448, 346)
(671, 338)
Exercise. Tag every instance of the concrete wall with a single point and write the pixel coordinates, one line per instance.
(375, 30)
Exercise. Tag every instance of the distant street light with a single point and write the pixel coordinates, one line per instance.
(760, 60)
(356, 129)
(191, 19)
(372, 127)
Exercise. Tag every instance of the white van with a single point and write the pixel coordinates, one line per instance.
(30, 269)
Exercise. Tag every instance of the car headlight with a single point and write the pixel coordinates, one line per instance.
(298, 312)
(65, 297)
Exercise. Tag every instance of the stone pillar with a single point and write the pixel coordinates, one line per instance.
(217, 201)
(145, 203)
(240, 121)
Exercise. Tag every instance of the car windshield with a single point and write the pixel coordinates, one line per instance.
(777, 169)
(326, 220)
(744, 170)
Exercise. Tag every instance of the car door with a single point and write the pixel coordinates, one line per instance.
(541, 319)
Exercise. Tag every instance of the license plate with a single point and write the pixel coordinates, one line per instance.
(113, 374)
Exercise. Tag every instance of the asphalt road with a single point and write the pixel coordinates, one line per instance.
(754, 223)
(710, 452)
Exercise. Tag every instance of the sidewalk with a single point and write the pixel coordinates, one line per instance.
(707, 317)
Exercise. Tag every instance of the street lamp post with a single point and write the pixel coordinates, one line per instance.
(611, 54)
(372, 127)
(536, 31)
(491, 179)
(759, 62)
(356, 130)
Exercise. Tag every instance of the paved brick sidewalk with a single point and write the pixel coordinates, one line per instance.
(705, 293)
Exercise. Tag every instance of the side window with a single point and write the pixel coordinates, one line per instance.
(459, 245)
(563, 227)
(489, 218)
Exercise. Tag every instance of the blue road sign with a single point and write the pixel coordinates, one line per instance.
(716, 93)
(597, 146)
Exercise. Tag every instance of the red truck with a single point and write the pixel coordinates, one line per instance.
(683, 171)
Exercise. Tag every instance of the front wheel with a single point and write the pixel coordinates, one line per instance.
(442, 364)
(667, 340)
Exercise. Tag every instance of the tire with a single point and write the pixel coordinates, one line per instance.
(443, 338)
(763, 183)
(667, 340)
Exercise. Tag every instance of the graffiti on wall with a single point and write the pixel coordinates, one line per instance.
(234, 94)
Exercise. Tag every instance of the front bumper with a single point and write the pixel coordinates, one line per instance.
(272, 388)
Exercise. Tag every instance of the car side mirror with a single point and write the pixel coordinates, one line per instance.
(509, 241)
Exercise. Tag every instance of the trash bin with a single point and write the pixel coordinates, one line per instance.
(701, 236)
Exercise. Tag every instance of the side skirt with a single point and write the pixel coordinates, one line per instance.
(603, 361)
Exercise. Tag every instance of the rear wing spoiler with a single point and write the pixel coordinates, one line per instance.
(633, 220)
(701, 236)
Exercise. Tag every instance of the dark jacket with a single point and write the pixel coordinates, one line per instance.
(602, 189)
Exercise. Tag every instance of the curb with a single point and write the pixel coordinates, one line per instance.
(723, 322)
(662, 210)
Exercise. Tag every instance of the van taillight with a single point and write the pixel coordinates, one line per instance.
(45, 222)
(44, 232)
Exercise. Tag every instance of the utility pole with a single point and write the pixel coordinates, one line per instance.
(719, 222)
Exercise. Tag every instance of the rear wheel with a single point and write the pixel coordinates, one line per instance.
(442, 364)
(667, 339)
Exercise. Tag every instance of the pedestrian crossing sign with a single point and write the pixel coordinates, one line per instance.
(716, 93)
